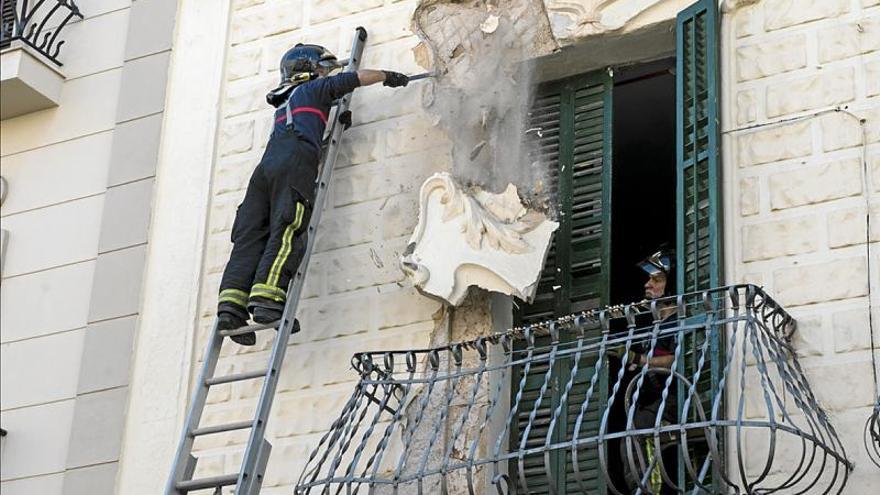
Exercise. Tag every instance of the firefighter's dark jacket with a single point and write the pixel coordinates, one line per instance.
(306, 111)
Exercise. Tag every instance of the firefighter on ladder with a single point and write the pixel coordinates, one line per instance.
(269, 231)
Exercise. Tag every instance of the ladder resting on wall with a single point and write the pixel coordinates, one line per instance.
(256, 453)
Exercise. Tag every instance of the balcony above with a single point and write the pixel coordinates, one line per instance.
(29, 46)
(563, 407)
(27, 83)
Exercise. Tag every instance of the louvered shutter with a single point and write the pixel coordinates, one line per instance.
(7, 21)
(574, 118)
(698, 244)
(697, 138)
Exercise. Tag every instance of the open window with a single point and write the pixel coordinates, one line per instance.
(634, 158)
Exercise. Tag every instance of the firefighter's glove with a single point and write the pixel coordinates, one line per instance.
(395, 79)
(617, 352)
(636, 362)
(633, 361)
(345, 119)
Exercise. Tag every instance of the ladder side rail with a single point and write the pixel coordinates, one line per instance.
(194, 414)
(249, 481)
(295, 287)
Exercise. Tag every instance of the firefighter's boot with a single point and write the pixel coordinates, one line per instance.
(268, 312)
(265, 314)
(230, 317)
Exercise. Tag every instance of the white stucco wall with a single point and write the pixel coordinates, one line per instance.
(793, 208)
(355, 297)
(56, 162)
(80, 188)
(795, 189)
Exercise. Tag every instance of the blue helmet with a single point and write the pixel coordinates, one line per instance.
(298, 65)
(661, 261)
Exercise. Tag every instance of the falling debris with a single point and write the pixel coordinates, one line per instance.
(490, 24)
(482, 100)
(477, 149)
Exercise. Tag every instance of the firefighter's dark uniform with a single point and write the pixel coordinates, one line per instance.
(269, 231)
(648, 406)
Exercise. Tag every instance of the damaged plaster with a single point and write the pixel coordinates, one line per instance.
(482, 96)
(572, 20)
(475, 238)
(471, 319)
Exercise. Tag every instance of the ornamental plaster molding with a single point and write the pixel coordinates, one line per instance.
(573, 19)
(729, 6)
(473, 237)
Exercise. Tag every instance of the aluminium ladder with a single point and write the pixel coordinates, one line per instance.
(256, 454)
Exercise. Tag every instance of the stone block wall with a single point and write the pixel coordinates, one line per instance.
(796, 186)
(356, 297)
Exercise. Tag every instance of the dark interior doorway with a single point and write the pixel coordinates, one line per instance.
(643, 198)
(643, 175)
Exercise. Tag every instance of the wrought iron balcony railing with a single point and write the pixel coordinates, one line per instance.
(38, 23)
(717, 404)
(872, 434)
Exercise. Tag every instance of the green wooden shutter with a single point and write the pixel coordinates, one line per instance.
(574, 116)
(697, 138)
(698, 245)
(7, 21)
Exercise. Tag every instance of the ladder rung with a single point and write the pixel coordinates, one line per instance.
(207, 430)
(217, 380)
(212, 482)
(250, 328)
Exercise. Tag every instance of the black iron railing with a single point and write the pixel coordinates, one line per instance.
(533, 410)
(872, 434)
(38, 23)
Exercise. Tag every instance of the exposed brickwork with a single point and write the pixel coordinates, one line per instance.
(800, 223)
(355, 295)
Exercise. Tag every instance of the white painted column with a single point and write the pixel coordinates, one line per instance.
(163, 351)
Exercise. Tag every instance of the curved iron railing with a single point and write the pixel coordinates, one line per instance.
(534, 408)
(872, 434)
(36, 23)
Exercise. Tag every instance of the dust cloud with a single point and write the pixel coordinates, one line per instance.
(481, 52)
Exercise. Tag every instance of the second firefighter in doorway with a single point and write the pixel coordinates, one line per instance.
(651, 363)
(269, 231)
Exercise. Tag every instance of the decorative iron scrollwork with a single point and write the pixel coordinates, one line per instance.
(872, 434)
(38, 24)
(728, 410)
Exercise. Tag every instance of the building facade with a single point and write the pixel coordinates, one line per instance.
(122, 194)
(80, 143)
